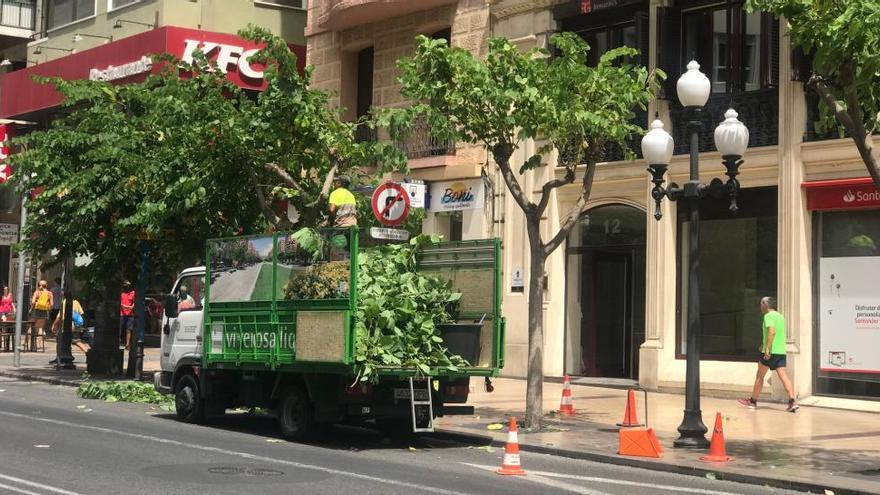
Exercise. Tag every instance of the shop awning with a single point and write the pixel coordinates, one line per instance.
(126, 60)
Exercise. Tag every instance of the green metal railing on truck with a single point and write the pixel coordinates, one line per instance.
(251, 321)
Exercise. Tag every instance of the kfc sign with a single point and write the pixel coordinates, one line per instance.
(227, 57)
(5, 168)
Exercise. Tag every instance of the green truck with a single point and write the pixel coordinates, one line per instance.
(238, 333)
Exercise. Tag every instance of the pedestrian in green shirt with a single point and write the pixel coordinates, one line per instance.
(772, 355)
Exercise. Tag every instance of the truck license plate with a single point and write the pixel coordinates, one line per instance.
(403, 393)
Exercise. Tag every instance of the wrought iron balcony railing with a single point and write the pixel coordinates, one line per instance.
(420, 143)
(18, 13)
(759, 110)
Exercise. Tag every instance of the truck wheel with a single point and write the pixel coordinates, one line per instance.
(190, 407)
(296, 415)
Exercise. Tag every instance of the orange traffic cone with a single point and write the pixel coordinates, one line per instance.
(510, 463)
(639, 442)
(717, 451)
(630, 419)
(565, 405)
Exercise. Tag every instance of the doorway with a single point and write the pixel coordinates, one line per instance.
(605, 310)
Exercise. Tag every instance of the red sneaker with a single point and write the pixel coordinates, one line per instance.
(747, 403)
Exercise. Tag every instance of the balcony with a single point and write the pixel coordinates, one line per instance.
(418, 144)
(19, 14)
(337, 15)
(759, 111)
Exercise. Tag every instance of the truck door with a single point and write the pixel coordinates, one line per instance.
(184, 337)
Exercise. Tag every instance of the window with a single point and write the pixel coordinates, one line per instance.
(61, 12)
(19, 13)
(727, 44)
(299, 4)
(364, 93)
(737, 268)
(190, 295)
(115, 4)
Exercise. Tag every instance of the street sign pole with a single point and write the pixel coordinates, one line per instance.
(19, 286)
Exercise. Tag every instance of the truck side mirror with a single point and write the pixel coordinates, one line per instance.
(171, 306)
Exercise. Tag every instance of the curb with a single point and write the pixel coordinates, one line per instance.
(787, 484)
(39, 378)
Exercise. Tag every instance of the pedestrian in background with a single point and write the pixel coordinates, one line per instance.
(7, 305)
(41, 303)
(126, 312)
(772, 356)
(57, 297)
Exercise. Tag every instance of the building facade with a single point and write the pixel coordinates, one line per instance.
(616, 292)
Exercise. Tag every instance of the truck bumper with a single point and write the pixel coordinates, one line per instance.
(162, 382)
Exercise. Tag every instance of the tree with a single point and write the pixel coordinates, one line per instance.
(512, 97)
(844, 40)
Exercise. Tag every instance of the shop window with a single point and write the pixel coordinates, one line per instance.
(61, 12)
(115, 4)
(847, 311)
(737, 267)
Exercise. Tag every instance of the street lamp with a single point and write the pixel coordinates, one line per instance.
(731, 139)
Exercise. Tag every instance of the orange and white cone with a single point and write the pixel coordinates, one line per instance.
(717, 450)
(565, 405)
(510, 464)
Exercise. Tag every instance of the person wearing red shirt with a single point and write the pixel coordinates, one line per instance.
(126, 312)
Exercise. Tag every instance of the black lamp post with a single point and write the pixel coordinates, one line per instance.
(731, 139)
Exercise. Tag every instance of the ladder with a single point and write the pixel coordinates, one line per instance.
(422, 410)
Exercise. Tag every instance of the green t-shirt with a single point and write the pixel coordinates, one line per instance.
(777, 321)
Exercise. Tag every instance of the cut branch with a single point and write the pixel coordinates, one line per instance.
(283, 175)
(276, 221)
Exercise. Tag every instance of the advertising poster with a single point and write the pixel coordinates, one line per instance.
(465, 194)
(849, 308)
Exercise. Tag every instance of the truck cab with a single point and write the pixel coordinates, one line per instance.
(181, 327)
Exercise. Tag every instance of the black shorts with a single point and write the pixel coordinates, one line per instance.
(775, 361)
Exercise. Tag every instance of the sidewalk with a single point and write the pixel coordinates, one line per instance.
(35, 365)
(814, 449)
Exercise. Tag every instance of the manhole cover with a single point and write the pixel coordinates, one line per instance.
(232, 470)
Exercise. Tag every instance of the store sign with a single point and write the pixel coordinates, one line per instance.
(5, 168)
(114, 72)
(416, 193)
(227, 57)
(842, 195)
(849, 307)
(457, 195)
(8, 234)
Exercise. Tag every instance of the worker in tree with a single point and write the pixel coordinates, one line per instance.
(342, 203)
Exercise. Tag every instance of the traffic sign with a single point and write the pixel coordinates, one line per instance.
(387, 234)
(390, 204)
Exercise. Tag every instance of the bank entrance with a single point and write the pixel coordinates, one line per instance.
(605, 293)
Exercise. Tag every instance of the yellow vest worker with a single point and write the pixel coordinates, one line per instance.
(343, 204)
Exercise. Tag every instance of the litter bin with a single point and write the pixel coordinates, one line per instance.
(462, 339)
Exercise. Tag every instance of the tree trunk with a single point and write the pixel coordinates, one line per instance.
(105, 357)
(535, 377)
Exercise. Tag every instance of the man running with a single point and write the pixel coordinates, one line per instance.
(772, 355)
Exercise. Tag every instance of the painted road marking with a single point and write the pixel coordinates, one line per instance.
(243, 455)
(609, 481)
(531, 476)
(33, 484)
(18, 490)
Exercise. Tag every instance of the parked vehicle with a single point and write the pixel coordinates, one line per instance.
(232, 339)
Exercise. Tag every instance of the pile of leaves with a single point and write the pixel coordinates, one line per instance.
(398, 312)
(125, 391)
(320, 281)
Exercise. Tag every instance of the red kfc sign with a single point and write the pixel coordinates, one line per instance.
(5, 167)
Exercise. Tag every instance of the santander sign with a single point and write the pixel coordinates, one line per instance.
(227, 57)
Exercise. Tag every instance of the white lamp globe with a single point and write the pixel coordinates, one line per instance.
(731, 135)
(657, 145)
(693, 86)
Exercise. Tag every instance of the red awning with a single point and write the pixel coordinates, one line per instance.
(842, 194)
(125, 61)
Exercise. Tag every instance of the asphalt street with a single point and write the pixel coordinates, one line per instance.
(56, 443)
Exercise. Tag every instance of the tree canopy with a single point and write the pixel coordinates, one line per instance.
(183, 156)
(557, 100)
(844, 40)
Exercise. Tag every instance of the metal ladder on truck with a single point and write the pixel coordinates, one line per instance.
(422, 410)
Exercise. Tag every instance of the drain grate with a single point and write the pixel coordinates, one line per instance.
(243, 471)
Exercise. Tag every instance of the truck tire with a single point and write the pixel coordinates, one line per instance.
(190, 406)
(296, 415)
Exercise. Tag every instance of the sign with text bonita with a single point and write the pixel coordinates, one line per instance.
(463, 194)
(849, 308)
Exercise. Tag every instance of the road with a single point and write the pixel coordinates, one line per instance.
(56, 443)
